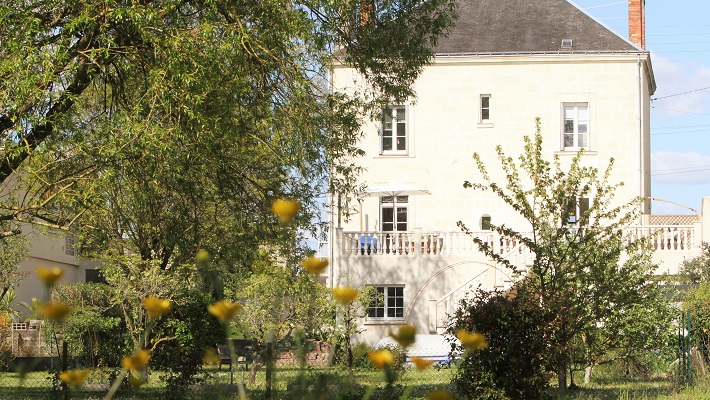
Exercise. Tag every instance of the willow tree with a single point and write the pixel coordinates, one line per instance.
(586, 272)
(236, 89)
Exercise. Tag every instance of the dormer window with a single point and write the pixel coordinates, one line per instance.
(566, 43)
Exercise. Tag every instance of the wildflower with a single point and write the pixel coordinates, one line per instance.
(136, 382)
(49, 276)
(137, 360)
(225, 310)
(74, 377)
(285, 209)
(380, 358)
(344, 295)
(439, 395)
(202, 256)
(421, 363)
(472, 341)
(314, 265)
(211, 357)
(53, 310)
(156, 307)
(406, 335)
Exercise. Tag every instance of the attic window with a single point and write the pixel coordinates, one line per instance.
(566, 43)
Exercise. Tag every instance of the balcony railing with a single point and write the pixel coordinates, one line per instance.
(675, 238)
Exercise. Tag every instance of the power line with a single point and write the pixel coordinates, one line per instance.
(606, 5)
(679, 111)
(673, 133)
(679, 94)
(682, 172)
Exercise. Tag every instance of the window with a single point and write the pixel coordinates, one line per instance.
(485, 116)
(394, 131)
(486, 222)
(576, 207)
(387, 302)
(69, 245)
(575, 126)
(94, 275)
(394, 213)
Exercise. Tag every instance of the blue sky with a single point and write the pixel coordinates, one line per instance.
(678, 36)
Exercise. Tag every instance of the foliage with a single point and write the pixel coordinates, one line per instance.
(13, 249)
(94, 331)
(586, 272)
(193, 332)
(280, 300)
(697, 303)
(513, 365)
(697, 269)
(236, 88)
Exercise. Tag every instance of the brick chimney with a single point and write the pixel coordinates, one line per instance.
(637, 23)
(367, 13)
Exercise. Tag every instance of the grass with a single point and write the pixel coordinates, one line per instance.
(605, 385)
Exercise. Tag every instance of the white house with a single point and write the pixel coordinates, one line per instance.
(505, 63)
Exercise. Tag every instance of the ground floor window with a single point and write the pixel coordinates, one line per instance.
(387, 302)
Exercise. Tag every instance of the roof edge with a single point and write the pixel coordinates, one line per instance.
(626, 39)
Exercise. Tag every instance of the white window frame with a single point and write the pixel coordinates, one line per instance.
(574, 213)
(572, 125)
(392, 306)
(392, 132)
(482, 109)
(402, 204)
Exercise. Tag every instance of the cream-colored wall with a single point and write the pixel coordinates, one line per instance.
(444, 131)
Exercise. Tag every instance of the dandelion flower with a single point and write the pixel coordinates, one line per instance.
(380, 358)
(315, 265)
(225, 310)
(54, 310)
(211, 357)
(285, 209)
(406, 335)
(344, 295)
(49, 276)
(439, 395)
(202, 256)
(136, 361)
(136, 382)
(74, 377)
(421, 363)
(472, 341)
(156, 307)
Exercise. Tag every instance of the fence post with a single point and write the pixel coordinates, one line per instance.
(269, 363)
(65, 387)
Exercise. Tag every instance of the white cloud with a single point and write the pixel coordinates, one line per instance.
(681, 168)
(674, 77)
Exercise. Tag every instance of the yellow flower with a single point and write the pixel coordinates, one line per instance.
(225, 310)
(156, 307)
(285, 209)
(53, 310)
(315, 265)
(211, 357)
(74, 377)
(472, 341)
(421, 363)
(49, 276)
(137, 360)
(344, 295)
(202, 257)
(406, 335)
(439, 395)
(380, 358)
(135, 381)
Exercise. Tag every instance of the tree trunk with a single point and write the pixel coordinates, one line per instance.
(588, 374)
(562, 375)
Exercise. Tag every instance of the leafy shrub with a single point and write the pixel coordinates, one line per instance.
(512, 366)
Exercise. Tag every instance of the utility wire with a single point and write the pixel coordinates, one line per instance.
(606, 5)
(679, 94)
(678, 111)
(682, 172)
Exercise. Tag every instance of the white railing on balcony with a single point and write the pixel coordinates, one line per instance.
(446, 244)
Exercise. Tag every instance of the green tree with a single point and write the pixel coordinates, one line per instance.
(697, 269)
(584, 272)
(81, 80)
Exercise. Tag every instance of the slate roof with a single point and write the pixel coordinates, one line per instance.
(494, 26)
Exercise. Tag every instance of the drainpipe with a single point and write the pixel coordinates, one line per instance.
(642, 178)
